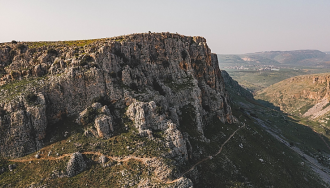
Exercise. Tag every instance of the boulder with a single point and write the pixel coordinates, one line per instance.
(103, 125)
(75, 165)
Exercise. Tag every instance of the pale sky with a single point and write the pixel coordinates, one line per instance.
(229, 26)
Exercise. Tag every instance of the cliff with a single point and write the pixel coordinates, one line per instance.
(142, 110)
(233, 86)
(149, 79)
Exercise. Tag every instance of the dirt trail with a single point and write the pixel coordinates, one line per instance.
(40, 159)
(127, 158)
(118, 159)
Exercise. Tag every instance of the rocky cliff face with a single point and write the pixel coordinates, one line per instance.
(153, 76)
(235, 87)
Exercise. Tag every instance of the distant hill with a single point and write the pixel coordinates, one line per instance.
(296, 58)
(293, 57)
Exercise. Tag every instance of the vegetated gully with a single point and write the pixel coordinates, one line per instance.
(127, 158)
(322, 171)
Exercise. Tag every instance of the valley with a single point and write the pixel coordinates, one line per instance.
(294, 100)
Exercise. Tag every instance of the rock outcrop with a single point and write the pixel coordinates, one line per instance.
(23, 125)
(171, 70)
(147, 117)
(100, 117)
(75, 165)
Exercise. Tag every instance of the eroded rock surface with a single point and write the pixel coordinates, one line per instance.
(156, 76)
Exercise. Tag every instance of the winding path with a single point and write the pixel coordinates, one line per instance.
(206, 158)
(118, 159)
(127, 158)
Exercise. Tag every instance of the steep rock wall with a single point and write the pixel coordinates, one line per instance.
(172, 70)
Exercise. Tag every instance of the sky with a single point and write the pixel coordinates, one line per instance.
(229, 26)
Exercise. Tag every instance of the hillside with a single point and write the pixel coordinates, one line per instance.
(142, 110)
(297, 57)
(302, 96)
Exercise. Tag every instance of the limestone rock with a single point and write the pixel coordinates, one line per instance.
(144, 116)
(155, 74)
(11, 167)
(75, 165)
(182, 183)
(23, 126)
(103, 125)
(103, 159)
(176, 142)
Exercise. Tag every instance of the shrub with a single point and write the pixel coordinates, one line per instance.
(134, 87)
(184, 54)
(51, 51)
(31, 98)
(90, 115)
(21, 47)
(166, 64)
(134, 62)
(14, 41)
(14, 74)
(154, 56)
(120, 54)
(158, 87)
(101, 99)
(113, 75)
(2, 112)
(86, 59)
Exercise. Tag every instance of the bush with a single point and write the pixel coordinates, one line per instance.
(158, 87)
(3, 162)
(134, 87)
(89, 116)
(120, 54)
(2, 112)
(184, 54)
(51, 51)
(14, 41)
(113, 75)
(31, 98)
(154, 56)
(166, 64)
(85, 60)
(21, 47)
(101, 99)
(134, 62)
(14, 74)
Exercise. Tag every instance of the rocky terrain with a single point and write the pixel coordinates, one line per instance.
(142, 110)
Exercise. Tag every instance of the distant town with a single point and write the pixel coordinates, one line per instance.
(256, 68)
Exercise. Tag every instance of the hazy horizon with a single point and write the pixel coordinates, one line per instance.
(229, 27)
